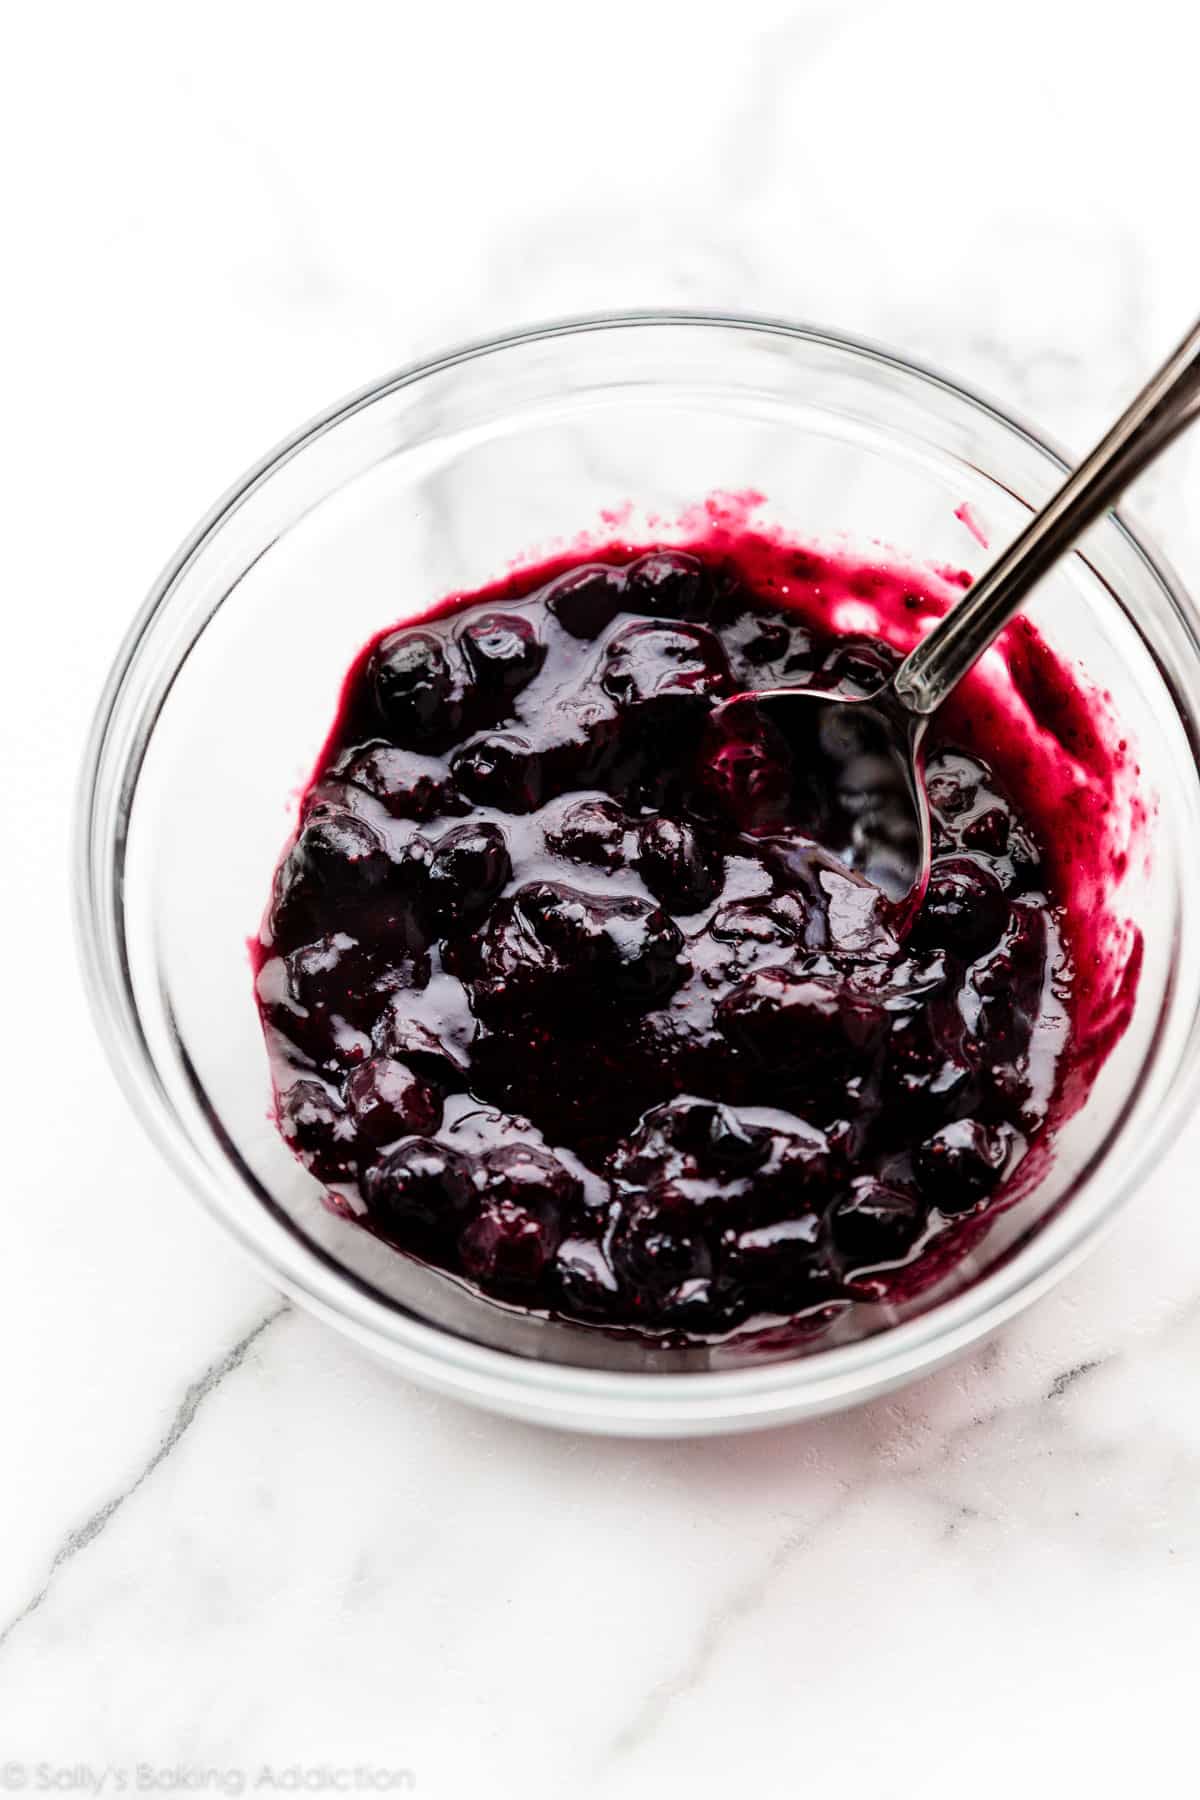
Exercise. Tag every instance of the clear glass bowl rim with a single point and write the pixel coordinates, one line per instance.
(645, 1402)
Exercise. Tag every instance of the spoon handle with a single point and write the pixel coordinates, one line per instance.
(1169, 401)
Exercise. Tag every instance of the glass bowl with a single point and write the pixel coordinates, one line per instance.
(434, 480)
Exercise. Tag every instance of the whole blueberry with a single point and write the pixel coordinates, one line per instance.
(960, 1166)
(507, 1244)
(796, 1170)
(952, 784)
(787, 1018)
(965, 909)
(780, 1268)
(314, 1124)
(876, 1222)
(419, 687)
(759, 640)
(407, 784)
(988, 831)
(668, 583)
(648, 662)
(586, 601)
(676, 865)
(765, 925)
(639, 950)
(530, 1176)
(926, 1071)
(419, 1187)
(324, 996)
(597, 952)
(657, 1248)
(336, 974)
(531, 938)
(591, 831)
(399, 1033)
(503, 652)
(689, 1133)
(502, 769)
(468, 868)
(387, 1100)
(336, 865)
(587, 1287)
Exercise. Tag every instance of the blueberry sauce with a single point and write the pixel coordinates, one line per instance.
(556, 1000)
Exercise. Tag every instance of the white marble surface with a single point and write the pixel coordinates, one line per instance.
(226, 1541)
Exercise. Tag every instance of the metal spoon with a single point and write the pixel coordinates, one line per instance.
(856, 764)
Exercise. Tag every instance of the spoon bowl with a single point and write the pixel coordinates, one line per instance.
(847, 771)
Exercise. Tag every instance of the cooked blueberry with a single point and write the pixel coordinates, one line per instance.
(526, 1175)
(410, 786)
(657, 1249)
(336, 862)
(780, 1268)
(580, 743)
(668, 583)
(639, 950)
(1007, 981)
(677, 867)
(964, 910)
(324, 996)
(503, 770)
(396, 917)
(398, 1033)
(964, 1163)
(557, 1051)
(758, 642)
(725, 1142)
(765, 925)
(646, 662)
(388, 1101)
(313, 1122)
(796, 1170)
(858, 917)
(755, 641)
(419, 687)
(591, 831)
(927, 1068)
(786, 1018)
(530, 939)
(876, 1223)
(336, 974)
(586, 601)
(417, 1188)
(468, 868)
(767, 641)
(587, 1287)
(620, 949)
(338, 850)
(988, 831)
(507, 1245)
(693, 1139)
(503, 652)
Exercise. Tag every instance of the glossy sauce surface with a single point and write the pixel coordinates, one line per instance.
(558, 999)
